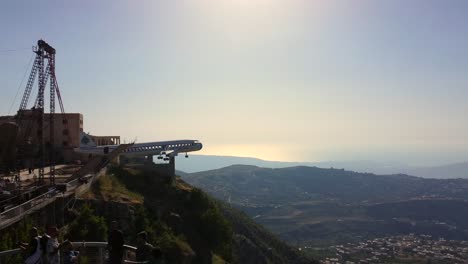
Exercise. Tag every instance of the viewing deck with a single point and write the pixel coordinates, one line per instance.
(48, 195)
(71, 181)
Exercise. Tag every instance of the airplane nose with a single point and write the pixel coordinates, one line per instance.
(199, 146)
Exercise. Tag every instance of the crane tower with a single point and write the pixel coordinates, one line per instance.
(46, 73)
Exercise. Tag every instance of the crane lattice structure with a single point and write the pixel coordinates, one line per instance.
(44, 53)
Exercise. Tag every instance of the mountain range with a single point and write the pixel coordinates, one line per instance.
(316, 207)
(197, 163)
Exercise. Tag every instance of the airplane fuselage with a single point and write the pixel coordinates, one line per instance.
(167, 148)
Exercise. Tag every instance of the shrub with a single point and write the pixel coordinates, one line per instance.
(88, 226)
(217, 230)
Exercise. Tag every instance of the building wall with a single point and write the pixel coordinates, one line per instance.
(67, 128)
(66, 134)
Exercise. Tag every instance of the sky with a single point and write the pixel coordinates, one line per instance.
(289, 80)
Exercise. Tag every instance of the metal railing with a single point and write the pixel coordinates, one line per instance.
(13, 214)
(94, 252)
(16, 213)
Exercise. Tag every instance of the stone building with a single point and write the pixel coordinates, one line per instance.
(68, 128)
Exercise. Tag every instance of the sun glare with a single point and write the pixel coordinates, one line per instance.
(265, 152)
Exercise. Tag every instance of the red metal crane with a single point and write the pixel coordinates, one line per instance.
(44, 53)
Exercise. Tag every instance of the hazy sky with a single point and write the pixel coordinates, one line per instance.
(275, 79)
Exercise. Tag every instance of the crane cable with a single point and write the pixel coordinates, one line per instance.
(14, 50)
(21, 84)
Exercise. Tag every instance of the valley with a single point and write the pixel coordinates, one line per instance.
(322, 207)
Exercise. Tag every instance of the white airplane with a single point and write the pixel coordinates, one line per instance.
(164, 149)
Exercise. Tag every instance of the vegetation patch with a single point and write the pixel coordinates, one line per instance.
(87, 226)
(109, 188)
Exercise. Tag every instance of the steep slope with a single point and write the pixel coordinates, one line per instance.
(254, 244)
(210, 228)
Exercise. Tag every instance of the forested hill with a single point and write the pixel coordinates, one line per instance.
(207, 227)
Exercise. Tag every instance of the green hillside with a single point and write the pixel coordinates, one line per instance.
(212, 230)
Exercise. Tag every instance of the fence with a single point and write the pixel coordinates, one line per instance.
(94, 252)
(14, 214)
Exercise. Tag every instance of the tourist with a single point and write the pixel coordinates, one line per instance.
(33, 248)
(53, 246)
(43, 240)
(115, 244)
(70, 256)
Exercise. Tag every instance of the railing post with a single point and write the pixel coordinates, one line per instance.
(101, 256)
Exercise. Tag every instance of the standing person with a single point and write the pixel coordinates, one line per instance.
(144, 249)
(70, 256)
(34, 255)
(115, 243)
(53, 246)
(30, 166)
(44, 239)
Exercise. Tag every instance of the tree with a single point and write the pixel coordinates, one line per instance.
(87, 226)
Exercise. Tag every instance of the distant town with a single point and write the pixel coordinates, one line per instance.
(400, 249)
